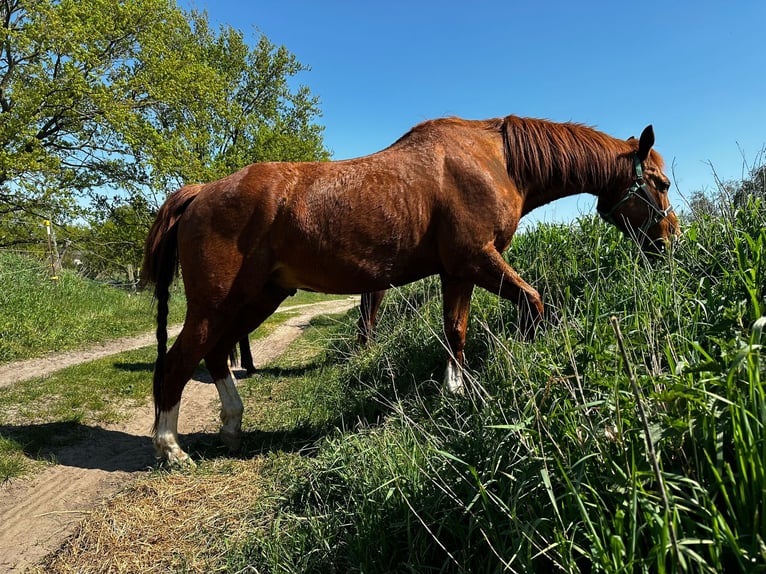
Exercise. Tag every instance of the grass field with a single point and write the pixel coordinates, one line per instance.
(39, 315)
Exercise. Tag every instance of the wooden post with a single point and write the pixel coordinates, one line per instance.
(52, 250)
(131, 276)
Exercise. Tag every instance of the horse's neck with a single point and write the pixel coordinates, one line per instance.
(584, 161)
(539, 194)
(537, 197)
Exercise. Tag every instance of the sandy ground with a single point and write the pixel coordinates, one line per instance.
(37, 514)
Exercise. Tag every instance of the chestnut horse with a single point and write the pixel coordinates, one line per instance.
(444, 199)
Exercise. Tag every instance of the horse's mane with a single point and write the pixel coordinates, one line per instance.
(570, 154)
(545, 153)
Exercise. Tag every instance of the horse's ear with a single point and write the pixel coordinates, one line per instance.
(646, 142)
(631, 138)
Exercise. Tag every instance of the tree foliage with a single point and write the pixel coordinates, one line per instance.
(115, 238)
(105, 101)
(730, 196)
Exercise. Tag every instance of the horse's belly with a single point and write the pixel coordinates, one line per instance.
(336, 277)
(338, 255)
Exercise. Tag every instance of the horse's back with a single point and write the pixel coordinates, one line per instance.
(355, 225)
(346, 226)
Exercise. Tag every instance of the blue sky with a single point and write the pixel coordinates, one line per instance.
(695, 70)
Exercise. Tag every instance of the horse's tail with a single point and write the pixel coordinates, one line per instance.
(160, 268)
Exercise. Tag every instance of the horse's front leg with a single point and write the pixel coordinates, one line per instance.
(491, 272)
(456, 296)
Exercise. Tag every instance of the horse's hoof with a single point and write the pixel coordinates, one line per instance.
(177, 460)
(232, 440)
(453, 380)
(172, 455)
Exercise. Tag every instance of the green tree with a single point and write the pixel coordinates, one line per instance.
(752, 187)
(105, 101)
(730, 196)
(114, 237)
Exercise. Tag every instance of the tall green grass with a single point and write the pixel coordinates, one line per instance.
(39, 314)
(546, 465)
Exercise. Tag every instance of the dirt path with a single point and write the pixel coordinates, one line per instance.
(37, 514)
(21, 370)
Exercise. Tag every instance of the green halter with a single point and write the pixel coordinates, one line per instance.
(638, 187)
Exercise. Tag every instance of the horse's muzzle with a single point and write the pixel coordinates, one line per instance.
(659, 248)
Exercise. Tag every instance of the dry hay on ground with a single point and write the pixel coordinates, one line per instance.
(166, 522)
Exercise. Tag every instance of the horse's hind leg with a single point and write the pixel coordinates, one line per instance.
(231, 403)
(248, 319)
(180, 363)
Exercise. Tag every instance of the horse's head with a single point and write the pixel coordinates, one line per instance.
(642, 209)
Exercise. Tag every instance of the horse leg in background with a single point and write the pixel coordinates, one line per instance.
(249, 318)
(456, 299)
(246, 356)
(368, 316)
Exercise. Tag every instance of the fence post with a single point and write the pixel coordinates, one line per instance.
(52, 249)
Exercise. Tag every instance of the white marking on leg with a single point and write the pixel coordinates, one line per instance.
(231, 411)
(166, 437)
(453, 379)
